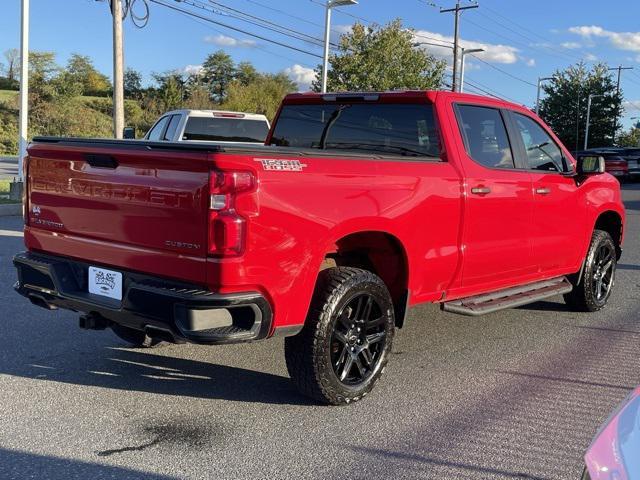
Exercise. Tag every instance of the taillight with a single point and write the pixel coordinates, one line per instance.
(227, 228)
(25, 191)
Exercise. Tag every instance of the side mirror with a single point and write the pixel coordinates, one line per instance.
(590, 165)
(129, 133)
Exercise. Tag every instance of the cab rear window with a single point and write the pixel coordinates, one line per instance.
(399, 129)
(216, 129)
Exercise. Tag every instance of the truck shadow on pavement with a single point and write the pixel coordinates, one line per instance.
(133, 370)
(19, 465)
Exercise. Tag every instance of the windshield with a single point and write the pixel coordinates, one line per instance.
(215, 129)
(401, 129)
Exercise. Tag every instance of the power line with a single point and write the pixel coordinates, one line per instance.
(230, 27)
(371, 22)
(224, 10)
(268, 7)
(541, 49)
(278, 28)
(490, 91)
(504, 71)
(259, 47)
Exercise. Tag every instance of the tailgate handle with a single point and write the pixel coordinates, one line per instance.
(101, 161)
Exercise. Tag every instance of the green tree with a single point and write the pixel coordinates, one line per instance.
(263, 95)
(246, 73)
(132, 83)
(564, 107)
(42, 67)
(13, 60)
(630, 138)
(172, 89)
(218, 71)
(42, 90)
(381, 58)
(81, 70)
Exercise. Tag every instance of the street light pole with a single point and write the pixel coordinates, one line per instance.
(24, 87)
(463, 53)
(540, 80)
(327, 34)
(586, 133)
(118, 70)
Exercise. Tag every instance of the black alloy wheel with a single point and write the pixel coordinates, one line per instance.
(593, 290)
(346, 341)
(358, 339)
(603, 272)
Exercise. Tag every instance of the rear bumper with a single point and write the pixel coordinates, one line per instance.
(183, 312)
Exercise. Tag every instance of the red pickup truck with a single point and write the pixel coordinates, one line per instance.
(358, 206)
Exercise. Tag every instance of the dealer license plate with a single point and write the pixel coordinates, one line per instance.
(106, 283)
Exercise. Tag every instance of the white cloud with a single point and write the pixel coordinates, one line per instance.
(621, 40)
(192, 69)
(530, 62)
(495, 53)
(342, 29)
(338, 30)
(303, 76)
(224, 41)
(570, 45)
(590, 57)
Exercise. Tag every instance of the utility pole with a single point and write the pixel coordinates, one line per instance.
(24, 87)
(619, 68)
(118, 70)
(540, 80)
(456, 39)
(586, 131)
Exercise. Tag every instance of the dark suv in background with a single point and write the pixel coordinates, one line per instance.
(632, 156)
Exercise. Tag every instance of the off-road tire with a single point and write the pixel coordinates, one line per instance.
(583, 297)
(309, 354)
(136, 338)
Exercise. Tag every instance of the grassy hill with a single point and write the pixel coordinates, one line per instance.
(6, 95)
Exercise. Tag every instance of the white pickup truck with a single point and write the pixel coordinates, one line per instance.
(210, 126)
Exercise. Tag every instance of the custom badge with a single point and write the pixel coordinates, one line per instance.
(281, 164)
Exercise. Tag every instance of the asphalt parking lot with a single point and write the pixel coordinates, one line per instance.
(517, 394)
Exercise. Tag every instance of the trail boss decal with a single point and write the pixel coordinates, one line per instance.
(281, 165)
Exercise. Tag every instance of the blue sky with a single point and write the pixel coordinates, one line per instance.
(523, 39)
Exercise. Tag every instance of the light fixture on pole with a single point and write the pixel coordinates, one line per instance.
(463, 52)
(327, 33)
(540, 80)
(586, 133)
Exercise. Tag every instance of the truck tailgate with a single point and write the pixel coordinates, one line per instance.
(120, 205)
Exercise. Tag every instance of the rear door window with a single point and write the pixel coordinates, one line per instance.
(398, 129)
(170, 134)
(485, 136)
(155, 134)
(217, 129)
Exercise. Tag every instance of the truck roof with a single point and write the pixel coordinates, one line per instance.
(221, 113)
(395, 95)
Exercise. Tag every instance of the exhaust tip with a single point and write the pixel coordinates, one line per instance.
(41, 302)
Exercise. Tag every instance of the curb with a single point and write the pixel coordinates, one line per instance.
(10, 210)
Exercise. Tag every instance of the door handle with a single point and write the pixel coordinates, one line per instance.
(480, 190)
(543, 191)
